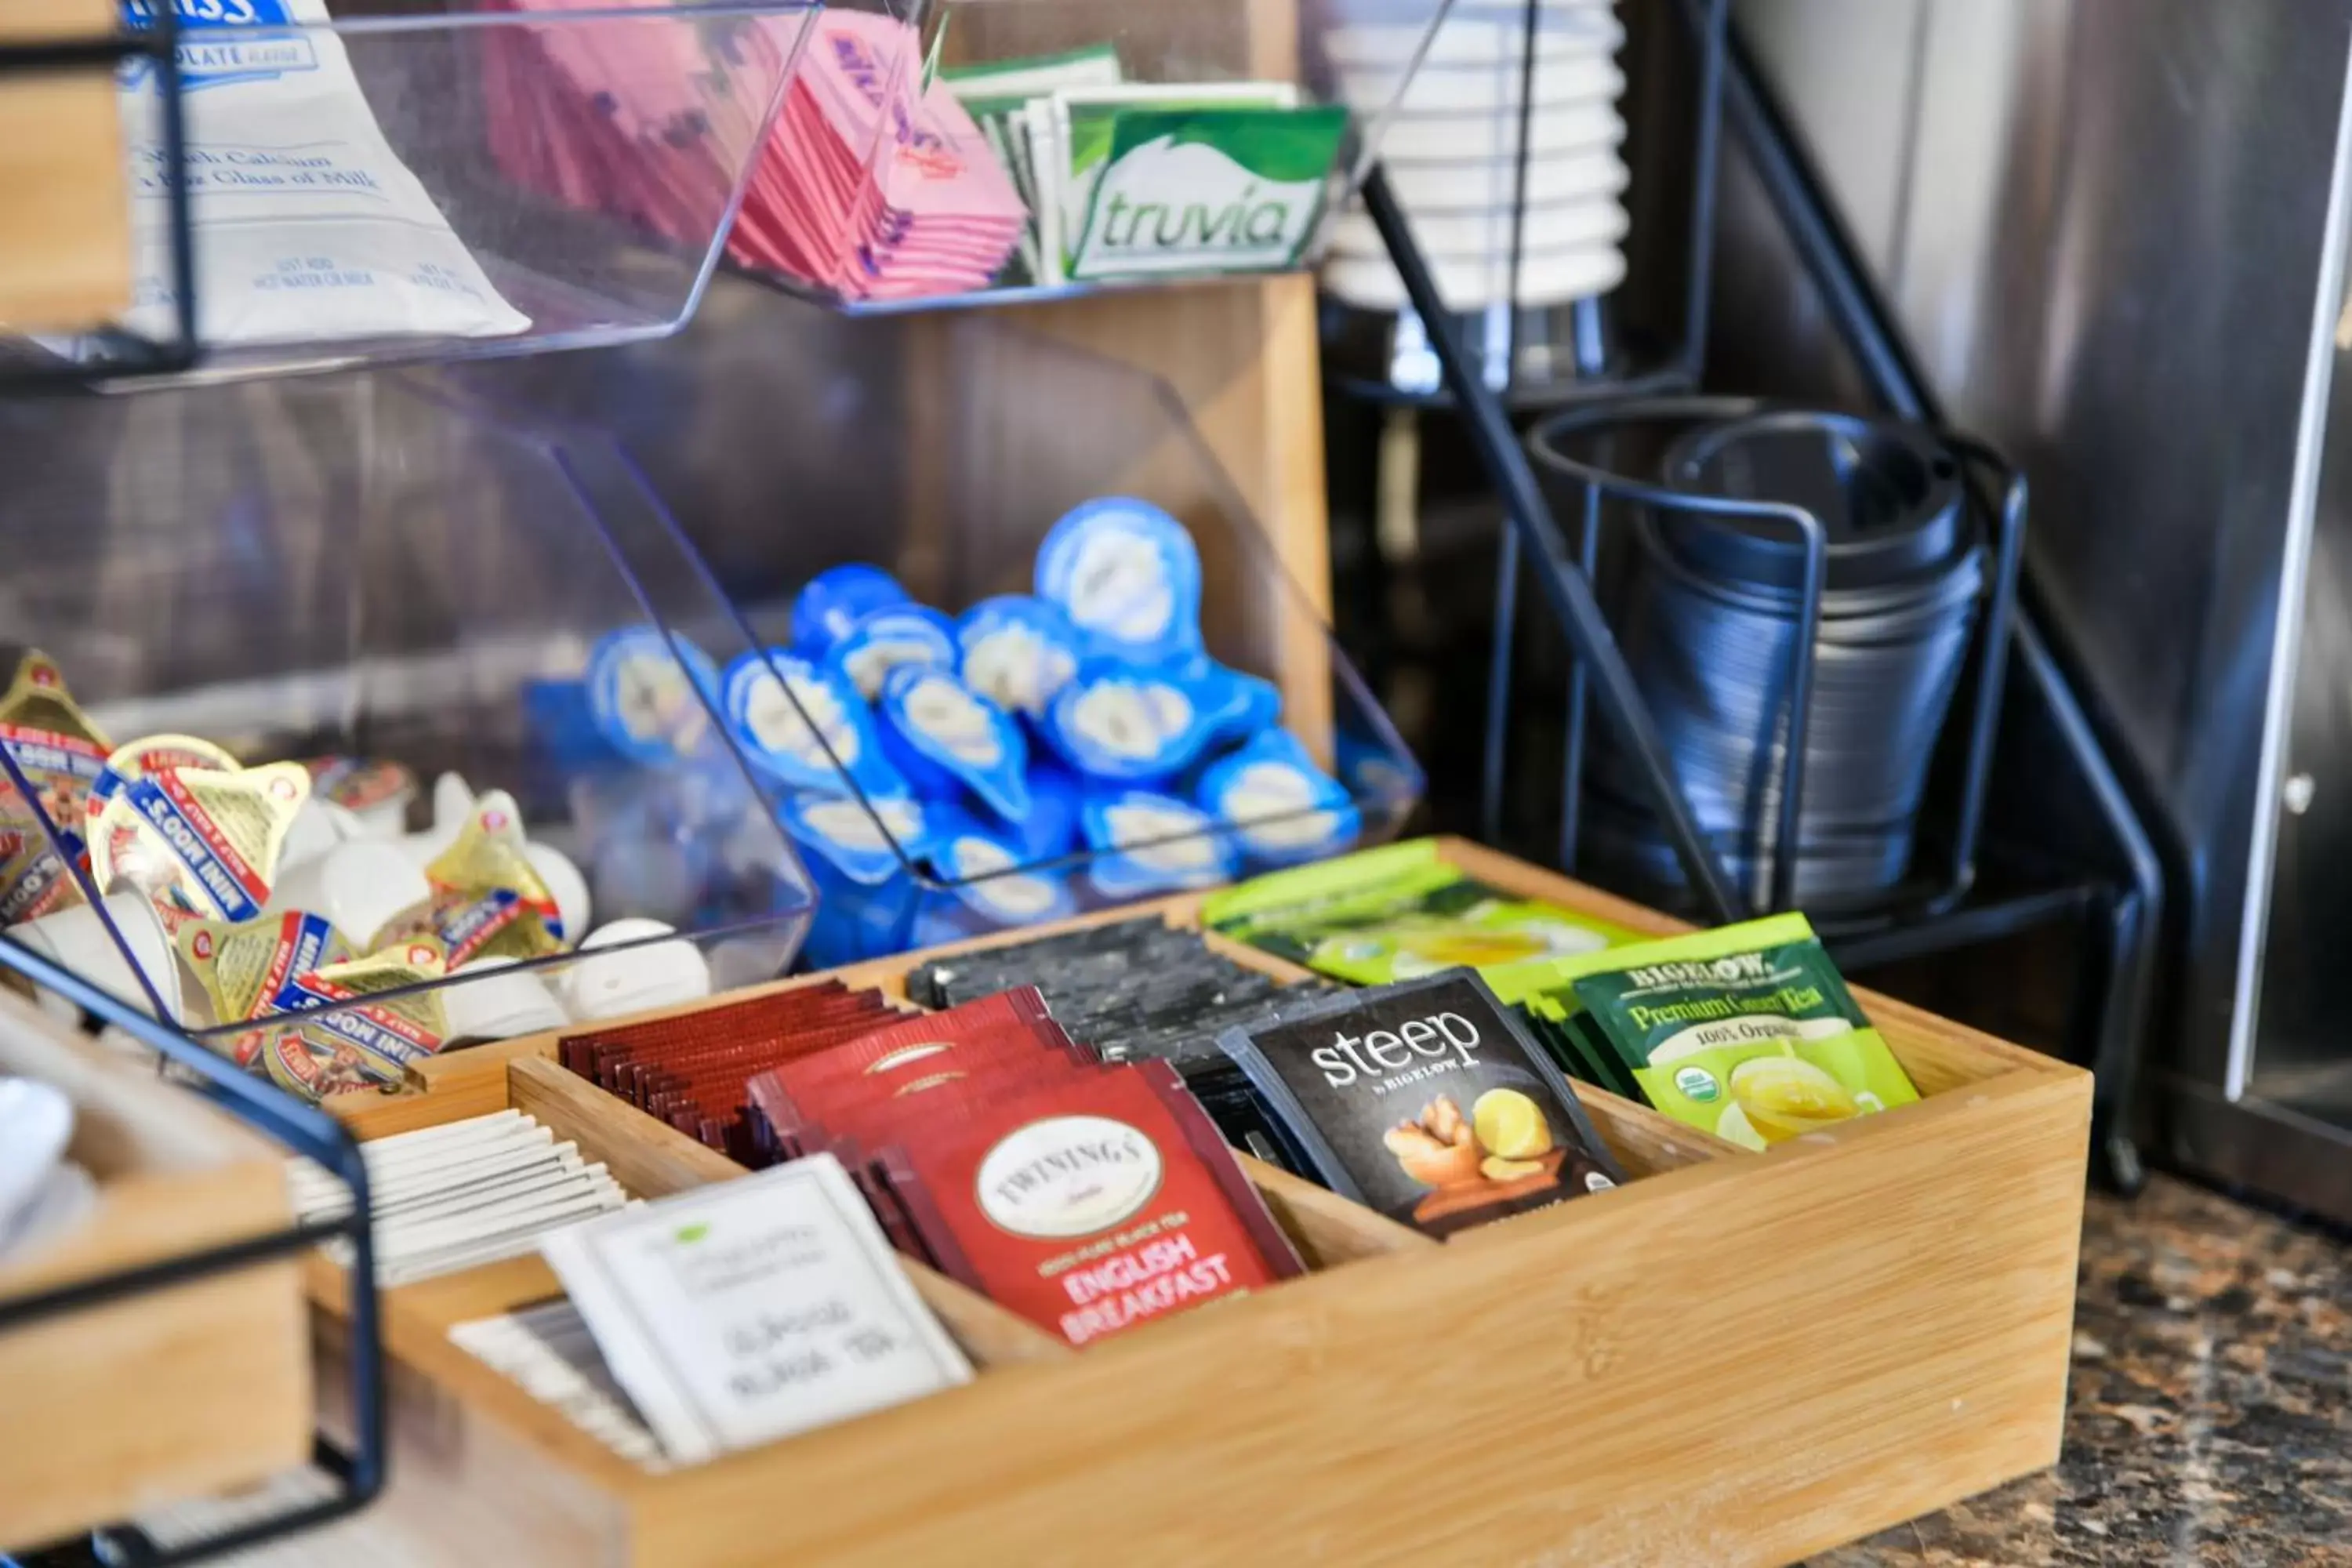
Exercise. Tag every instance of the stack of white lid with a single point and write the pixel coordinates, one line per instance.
(1452, 150)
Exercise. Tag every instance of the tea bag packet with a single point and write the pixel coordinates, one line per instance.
(1427, 1100)
(489, 898)
(201, 844)
(989, 886)
(883, 639)
(650, 696)
(1128, 723)
(1282, 807)
(804, 723)
(852, 849)
(943, 735)
(244, 970)
(832, 601)
(1397, 913)
(375, 791)
(1128, 577)
(381, 1008)
(1196, 189)
(1145, 843)
(1746, 1031)
(60, 752)
(1017, 652)
(128, 763)
(1089, 1205)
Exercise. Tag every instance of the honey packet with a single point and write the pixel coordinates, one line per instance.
(1746, 1031)
(244, 970)
(127, 764)
(201, 844)
(400, 1027)
(488, 900)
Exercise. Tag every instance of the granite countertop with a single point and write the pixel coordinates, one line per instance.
(2209, 1415)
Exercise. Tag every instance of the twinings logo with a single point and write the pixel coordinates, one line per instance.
(1068, 1176)
(1729, 970)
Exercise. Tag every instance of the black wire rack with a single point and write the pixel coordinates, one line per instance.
(2116, 892)
(114, 351)
(357, 1470)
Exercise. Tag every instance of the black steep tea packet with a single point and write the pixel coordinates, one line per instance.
(1427, 1100)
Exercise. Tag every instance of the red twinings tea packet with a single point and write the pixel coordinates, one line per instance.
(776, 1015)
(784, 1126)
(1087, 1205)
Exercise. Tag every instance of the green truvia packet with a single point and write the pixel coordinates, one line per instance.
(1198, 189)
(1397, 913)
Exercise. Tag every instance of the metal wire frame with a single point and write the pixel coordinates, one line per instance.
(126, 353)
(303, 1129)
(1548, 442)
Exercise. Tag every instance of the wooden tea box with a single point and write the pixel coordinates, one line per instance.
(1736, 1358)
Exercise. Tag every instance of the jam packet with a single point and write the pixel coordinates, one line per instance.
(1427, 1100)
(1746, 1031)
(650, 696)
(1017, 652)
(244, 970)
(1145, 843)
(1283, 808)
(1125, 722)
(1400, 911)
(805, 722)
(201, 844)
(943, 735)
(830, 603)
(1128, 576)
(1089, 1206)
(883, 639)
(60, 752)
(489, 898)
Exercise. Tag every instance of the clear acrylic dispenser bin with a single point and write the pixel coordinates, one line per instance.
(945, 449)
(368, 568)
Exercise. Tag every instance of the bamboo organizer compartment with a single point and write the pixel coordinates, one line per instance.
(169, 1393)
(1736, 1359)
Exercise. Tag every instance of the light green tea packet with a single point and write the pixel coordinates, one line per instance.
(1746, 1031)
(1397, 913)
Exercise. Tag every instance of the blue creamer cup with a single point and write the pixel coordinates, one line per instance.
(651, 696)
(1127, 723)
(1128, 576)
(989, 889)
(883, 639)
(831, 603)
(1234, 706)
(805, 725)
(1281, 807)
(1051, 828)
(1017, 652)
(865, 895)
(1145, 843)
(944, 736)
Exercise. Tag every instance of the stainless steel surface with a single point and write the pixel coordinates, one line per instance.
(2105, 227)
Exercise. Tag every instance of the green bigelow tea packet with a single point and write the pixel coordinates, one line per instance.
(1748, 1031)
(1397, 913)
